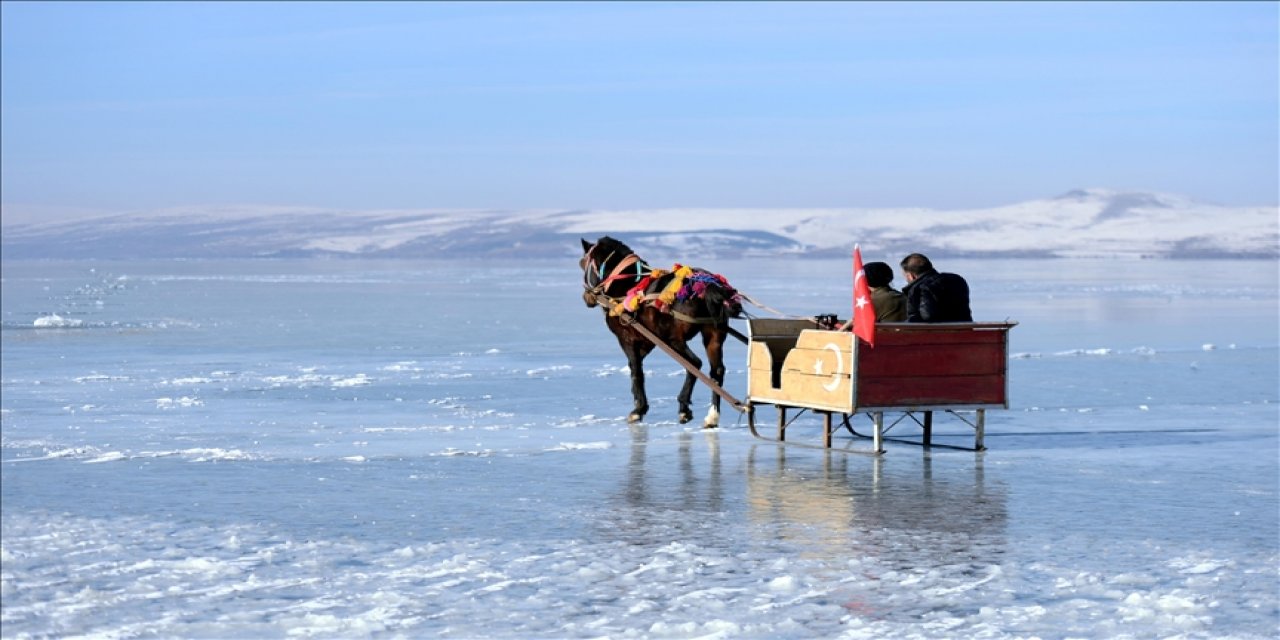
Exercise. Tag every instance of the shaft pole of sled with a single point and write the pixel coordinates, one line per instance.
(675, 355)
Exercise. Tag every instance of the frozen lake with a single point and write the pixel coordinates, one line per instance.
(417, 449)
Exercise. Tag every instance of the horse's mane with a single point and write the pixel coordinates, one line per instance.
(613, 245)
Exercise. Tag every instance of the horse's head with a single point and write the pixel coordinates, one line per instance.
(585, 264)
(601, 265)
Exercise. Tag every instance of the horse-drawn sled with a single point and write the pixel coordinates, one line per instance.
(914, 369)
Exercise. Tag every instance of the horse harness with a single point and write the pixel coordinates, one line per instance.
(655, 287)
(618, 272)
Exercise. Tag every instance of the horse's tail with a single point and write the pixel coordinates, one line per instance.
(723, 301)
(733, 306)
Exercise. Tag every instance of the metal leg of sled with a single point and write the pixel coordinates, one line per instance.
(826, 429)
(782, 424)
(877, 437)
(979, 429)
(927, 426)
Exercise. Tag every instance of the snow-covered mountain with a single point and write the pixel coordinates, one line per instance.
(1081, 223)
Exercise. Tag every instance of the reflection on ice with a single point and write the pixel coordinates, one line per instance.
(852, 508)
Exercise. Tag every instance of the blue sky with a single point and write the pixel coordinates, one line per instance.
(136, 106)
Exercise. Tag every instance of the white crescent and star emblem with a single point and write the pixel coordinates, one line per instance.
(835, 377)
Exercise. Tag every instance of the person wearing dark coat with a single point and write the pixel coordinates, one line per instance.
(933, 296)
(889, 303)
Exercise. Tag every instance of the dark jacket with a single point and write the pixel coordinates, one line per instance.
(889, 303)
(938, 297)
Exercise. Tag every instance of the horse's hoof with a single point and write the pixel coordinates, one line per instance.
(686, 416)
(635, 417)
(713, 419)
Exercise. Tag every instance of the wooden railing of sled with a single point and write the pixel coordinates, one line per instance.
(914, 368)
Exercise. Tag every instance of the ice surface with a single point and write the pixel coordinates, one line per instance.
(411, 449)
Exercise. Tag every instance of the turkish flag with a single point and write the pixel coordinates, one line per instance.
(864, 315)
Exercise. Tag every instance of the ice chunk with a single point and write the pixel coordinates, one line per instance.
(55, 321)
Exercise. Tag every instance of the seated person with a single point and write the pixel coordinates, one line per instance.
(933, 296)
(889, 303)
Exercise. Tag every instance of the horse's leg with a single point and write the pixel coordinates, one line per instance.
(686, 392)
(713, 343)
(636, 350)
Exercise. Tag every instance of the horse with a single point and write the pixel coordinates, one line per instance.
(630, 291)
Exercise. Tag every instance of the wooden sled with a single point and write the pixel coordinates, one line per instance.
(915, 368)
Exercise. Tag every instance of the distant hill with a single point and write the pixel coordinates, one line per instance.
(1082, 223)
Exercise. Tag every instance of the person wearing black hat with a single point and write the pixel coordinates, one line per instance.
(933, 296)
(889, 303)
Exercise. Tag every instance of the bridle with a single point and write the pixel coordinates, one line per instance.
(594, 279)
